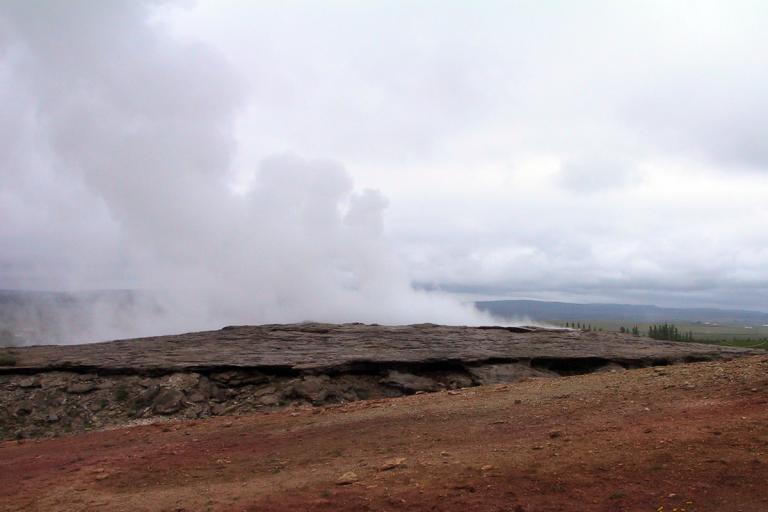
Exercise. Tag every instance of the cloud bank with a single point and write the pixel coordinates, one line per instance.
(594, 150)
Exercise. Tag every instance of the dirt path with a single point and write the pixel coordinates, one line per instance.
(682, 438)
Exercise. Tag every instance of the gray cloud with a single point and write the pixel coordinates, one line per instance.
(594, 175)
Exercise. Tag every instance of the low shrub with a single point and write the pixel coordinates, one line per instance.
(7, 359)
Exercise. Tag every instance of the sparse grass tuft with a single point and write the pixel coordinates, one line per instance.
(7, 359)
(121, 393)
(617, 495)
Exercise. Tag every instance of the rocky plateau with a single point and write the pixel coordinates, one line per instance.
(52, 390)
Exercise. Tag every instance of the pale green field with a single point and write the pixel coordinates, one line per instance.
(733, 335)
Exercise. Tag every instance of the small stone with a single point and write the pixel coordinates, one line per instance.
(397, 462)
(347, 478)
(555, 434)
(487, 467)
(196, 396)
(80, 388)
(269, 400)
(52, 418)
(29, 382)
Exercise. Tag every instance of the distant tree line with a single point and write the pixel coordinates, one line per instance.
(664, 331)
(668, 332)
(635, 330)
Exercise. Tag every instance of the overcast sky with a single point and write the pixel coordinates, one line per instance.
(592, 151)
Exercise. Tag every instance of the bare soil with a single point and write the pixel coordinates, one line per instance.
(689, 437)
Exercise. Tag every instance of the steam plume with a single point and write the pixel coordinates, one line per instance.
(115, 158)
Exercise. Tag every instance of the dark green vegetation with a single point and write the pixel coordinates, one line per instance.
(7, 358)
(699, 332)
(669, 332)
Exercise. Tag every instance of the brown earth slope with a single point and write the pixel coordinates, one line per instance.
(691, 437)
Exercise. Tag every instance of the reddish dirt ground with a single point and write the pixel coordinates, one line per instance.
(687, 438)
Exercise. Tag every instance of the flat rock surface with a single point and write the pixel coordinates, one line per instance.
(324, 346)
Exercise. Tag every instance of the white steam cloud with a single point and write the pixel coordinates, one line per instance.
(115, 154)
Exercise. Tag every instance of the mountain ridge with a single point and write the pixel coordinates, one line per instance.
(570, 311)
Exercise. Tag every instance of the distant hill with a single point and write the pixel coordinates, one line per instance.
(566, 311)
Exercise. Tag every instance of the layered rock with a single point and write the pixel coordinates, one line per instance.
(59, 389)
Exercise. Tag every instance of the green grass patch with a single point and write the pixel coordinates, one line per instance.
(745, 336)
(121, 393)
(7, 358)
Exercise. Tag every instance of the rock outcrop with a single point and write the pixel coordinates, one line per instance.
(59, 389)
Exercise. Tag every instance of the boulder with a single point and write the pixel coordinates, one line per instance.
(314, 388)
(147, 396)
(269, 400)
(347, 478)
(168, 401)
(80, 388)
(209, 389)
(181, 381)
(28, 382)
(196, 397)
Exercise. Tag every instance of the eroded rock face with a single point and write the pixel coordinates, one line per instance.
(54, 390)
(325, 348)
(409, 382)
(512, 372)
